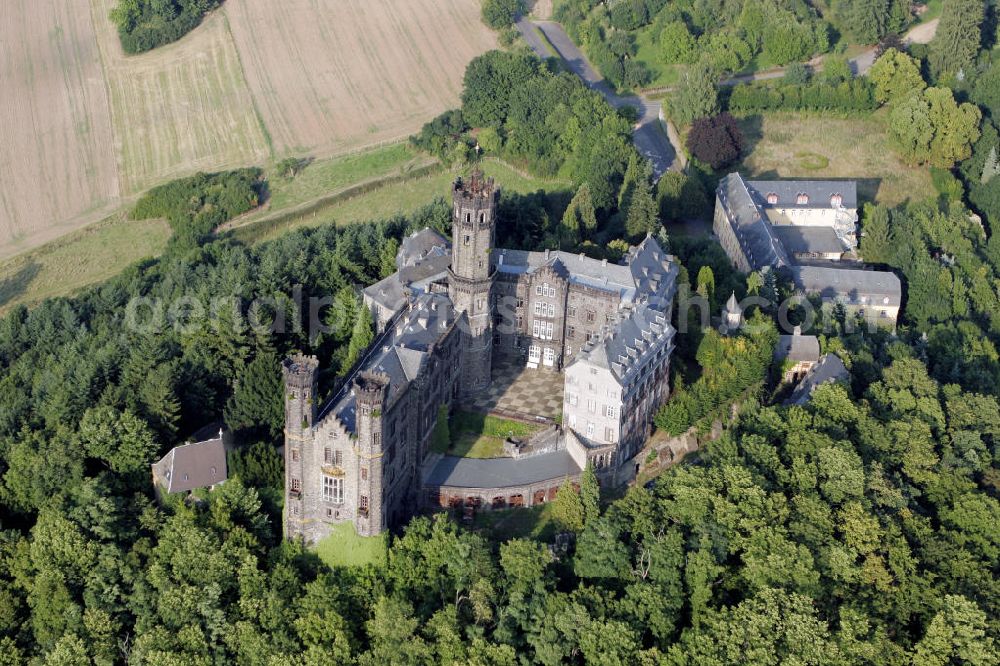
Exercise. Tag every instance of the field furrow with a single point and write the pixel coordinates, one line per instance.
(57, 168)
(329, 76)
(181, 108)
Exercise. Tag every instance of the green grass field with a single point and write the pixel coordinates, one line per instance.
(344, 548)
(399, 197)
(790, 145)
(81, 258)
(648, 53)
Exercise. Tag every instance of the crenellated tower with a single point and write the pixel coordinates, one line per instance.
(300, 373)
(470, 281)
(370, 392)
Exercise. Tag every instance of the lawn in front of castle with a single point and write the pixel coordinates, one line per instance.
(476, 435)
(344, 548)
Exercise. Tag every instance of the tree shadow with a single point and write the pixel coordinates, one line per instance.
(17, 284)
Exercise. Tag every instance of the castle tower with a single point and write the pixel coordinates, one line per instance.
(300, 375)
(470, 281)
(370, 391)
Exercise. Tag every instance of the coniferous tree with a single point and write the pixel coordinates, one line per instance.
(361, 336)
(958, 36)
(258, 395)
(568, 508)
(590, 494)
(642, 211)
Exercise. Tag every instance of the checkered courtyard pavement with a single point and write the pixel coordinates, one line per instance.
(516, 388)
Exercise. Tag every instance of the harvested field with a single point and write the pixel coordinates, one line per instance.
(331, 76)
(57, 162)
(180, 108)
(790, 145)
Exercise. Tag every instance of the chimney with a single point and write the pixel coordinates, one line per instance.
(546, 253)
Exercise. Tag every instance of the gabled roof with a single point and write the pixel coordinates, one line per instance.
(797, 348)
(818, 192)
(421, 245)
(829, 369)
(399, 352)
(854, 286)
(646, 270)
(627, 347)
(749, 224)
(194, 465)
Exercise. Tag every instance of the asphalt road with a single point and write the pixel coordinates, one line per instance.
(648, 134)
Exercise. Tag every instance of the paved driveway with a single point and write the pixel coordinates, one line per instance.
(648, 134)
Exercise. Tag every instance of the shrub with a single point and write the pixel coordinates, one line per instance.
(850, 96)
(717, 141)
(196, 205)
(499, 14)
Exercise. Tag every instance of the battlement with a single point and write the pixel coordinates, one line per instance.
(371, 387)
(477, 186)
(300, 370)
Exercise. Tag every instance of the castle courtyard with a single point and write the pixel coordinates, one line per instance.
(518, 391)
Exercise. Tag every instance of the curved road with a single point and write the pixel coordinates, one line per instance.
(648, 133)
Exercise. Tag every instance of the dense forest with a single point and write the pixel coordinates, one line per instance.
(145, 24)
(859, 529)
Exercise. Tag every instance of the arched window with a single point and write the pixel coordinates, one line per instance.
(772, 198)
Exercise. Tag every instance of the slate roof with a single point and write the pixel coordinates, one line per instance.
(487, 473)
(419, 246)
(399, 352)
(819, 192)
(808, 240)
(797, 348)
(829, 369)
(646, 270)
(853, 286)
(634, 338)
(751, 227)
(194, 465)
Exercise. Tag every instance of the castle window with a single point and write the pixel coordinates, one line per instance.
(296, 485)
(610, 411)
(571, 311)
(468, 218)
(570, 332)
(364, 473)
(467, 239)
(363, 505)
(590, 429)
(592, 406)
(295, 455)
(482, 217)
(591, 315)
(802, 199)
(538, 290)
(609, 434)
(772, 198)
(333, 489)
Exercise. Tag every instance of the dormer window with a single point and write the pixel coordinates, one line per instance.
(837, 200)
(802, 199)
(772, 198)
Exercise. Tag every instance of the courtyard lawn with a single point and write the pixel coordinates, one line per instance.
(803, 145)
(474, 435)
(344, 548)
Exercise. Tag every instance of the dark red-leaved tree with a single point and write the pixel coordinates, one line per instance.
(717, 140)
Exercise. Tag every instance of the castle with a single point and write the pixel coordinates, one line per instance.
(445, 318)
